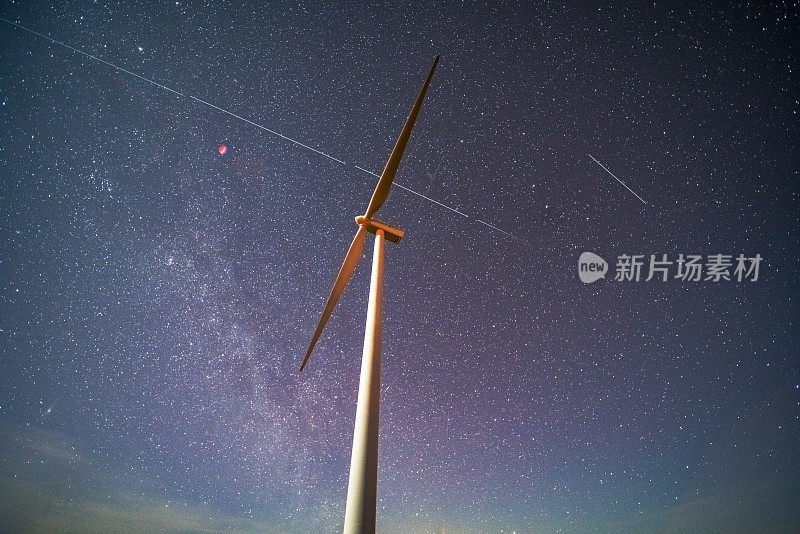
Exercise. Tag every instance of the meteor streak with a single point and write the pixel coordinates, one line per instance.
(617, 179)
(241, 118)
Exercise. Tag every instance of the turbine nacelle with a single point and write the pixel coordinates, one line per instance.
(373, 225)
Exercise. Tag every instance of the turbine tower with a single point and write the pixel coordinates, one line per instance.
(362, 487)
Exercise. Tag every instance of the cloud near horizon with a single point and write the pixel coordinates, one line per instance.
(51, 484)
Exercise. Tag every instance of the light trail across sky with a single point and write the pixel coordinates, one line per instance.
(248, 121)
(617, 179)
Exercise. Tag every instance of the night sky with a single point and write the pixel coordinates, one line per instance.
(156, 297)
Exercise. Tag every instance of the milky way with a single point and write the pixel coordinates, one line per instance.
(248, 121)
(156, 297)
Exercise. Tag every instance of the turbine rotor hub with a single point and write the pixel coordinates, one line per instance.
(373, 225)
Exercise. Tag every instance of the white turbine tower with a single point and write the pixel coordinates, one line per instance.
(361, 490)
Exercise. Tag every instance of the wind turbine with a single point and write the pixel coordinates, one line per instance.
(362, 487)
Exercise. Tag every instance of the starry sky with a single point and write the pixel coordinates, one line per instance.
(156, 297)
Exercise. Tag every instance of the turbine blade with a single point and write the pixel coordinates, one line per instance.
(387, 176)
(345, 273)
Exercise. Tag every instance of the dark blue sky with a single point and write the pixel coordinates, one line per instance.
(156, 297)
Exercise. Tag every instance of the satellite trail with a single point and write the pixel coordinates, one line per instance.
(617, 179)
(509, 234)
(248, 121)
